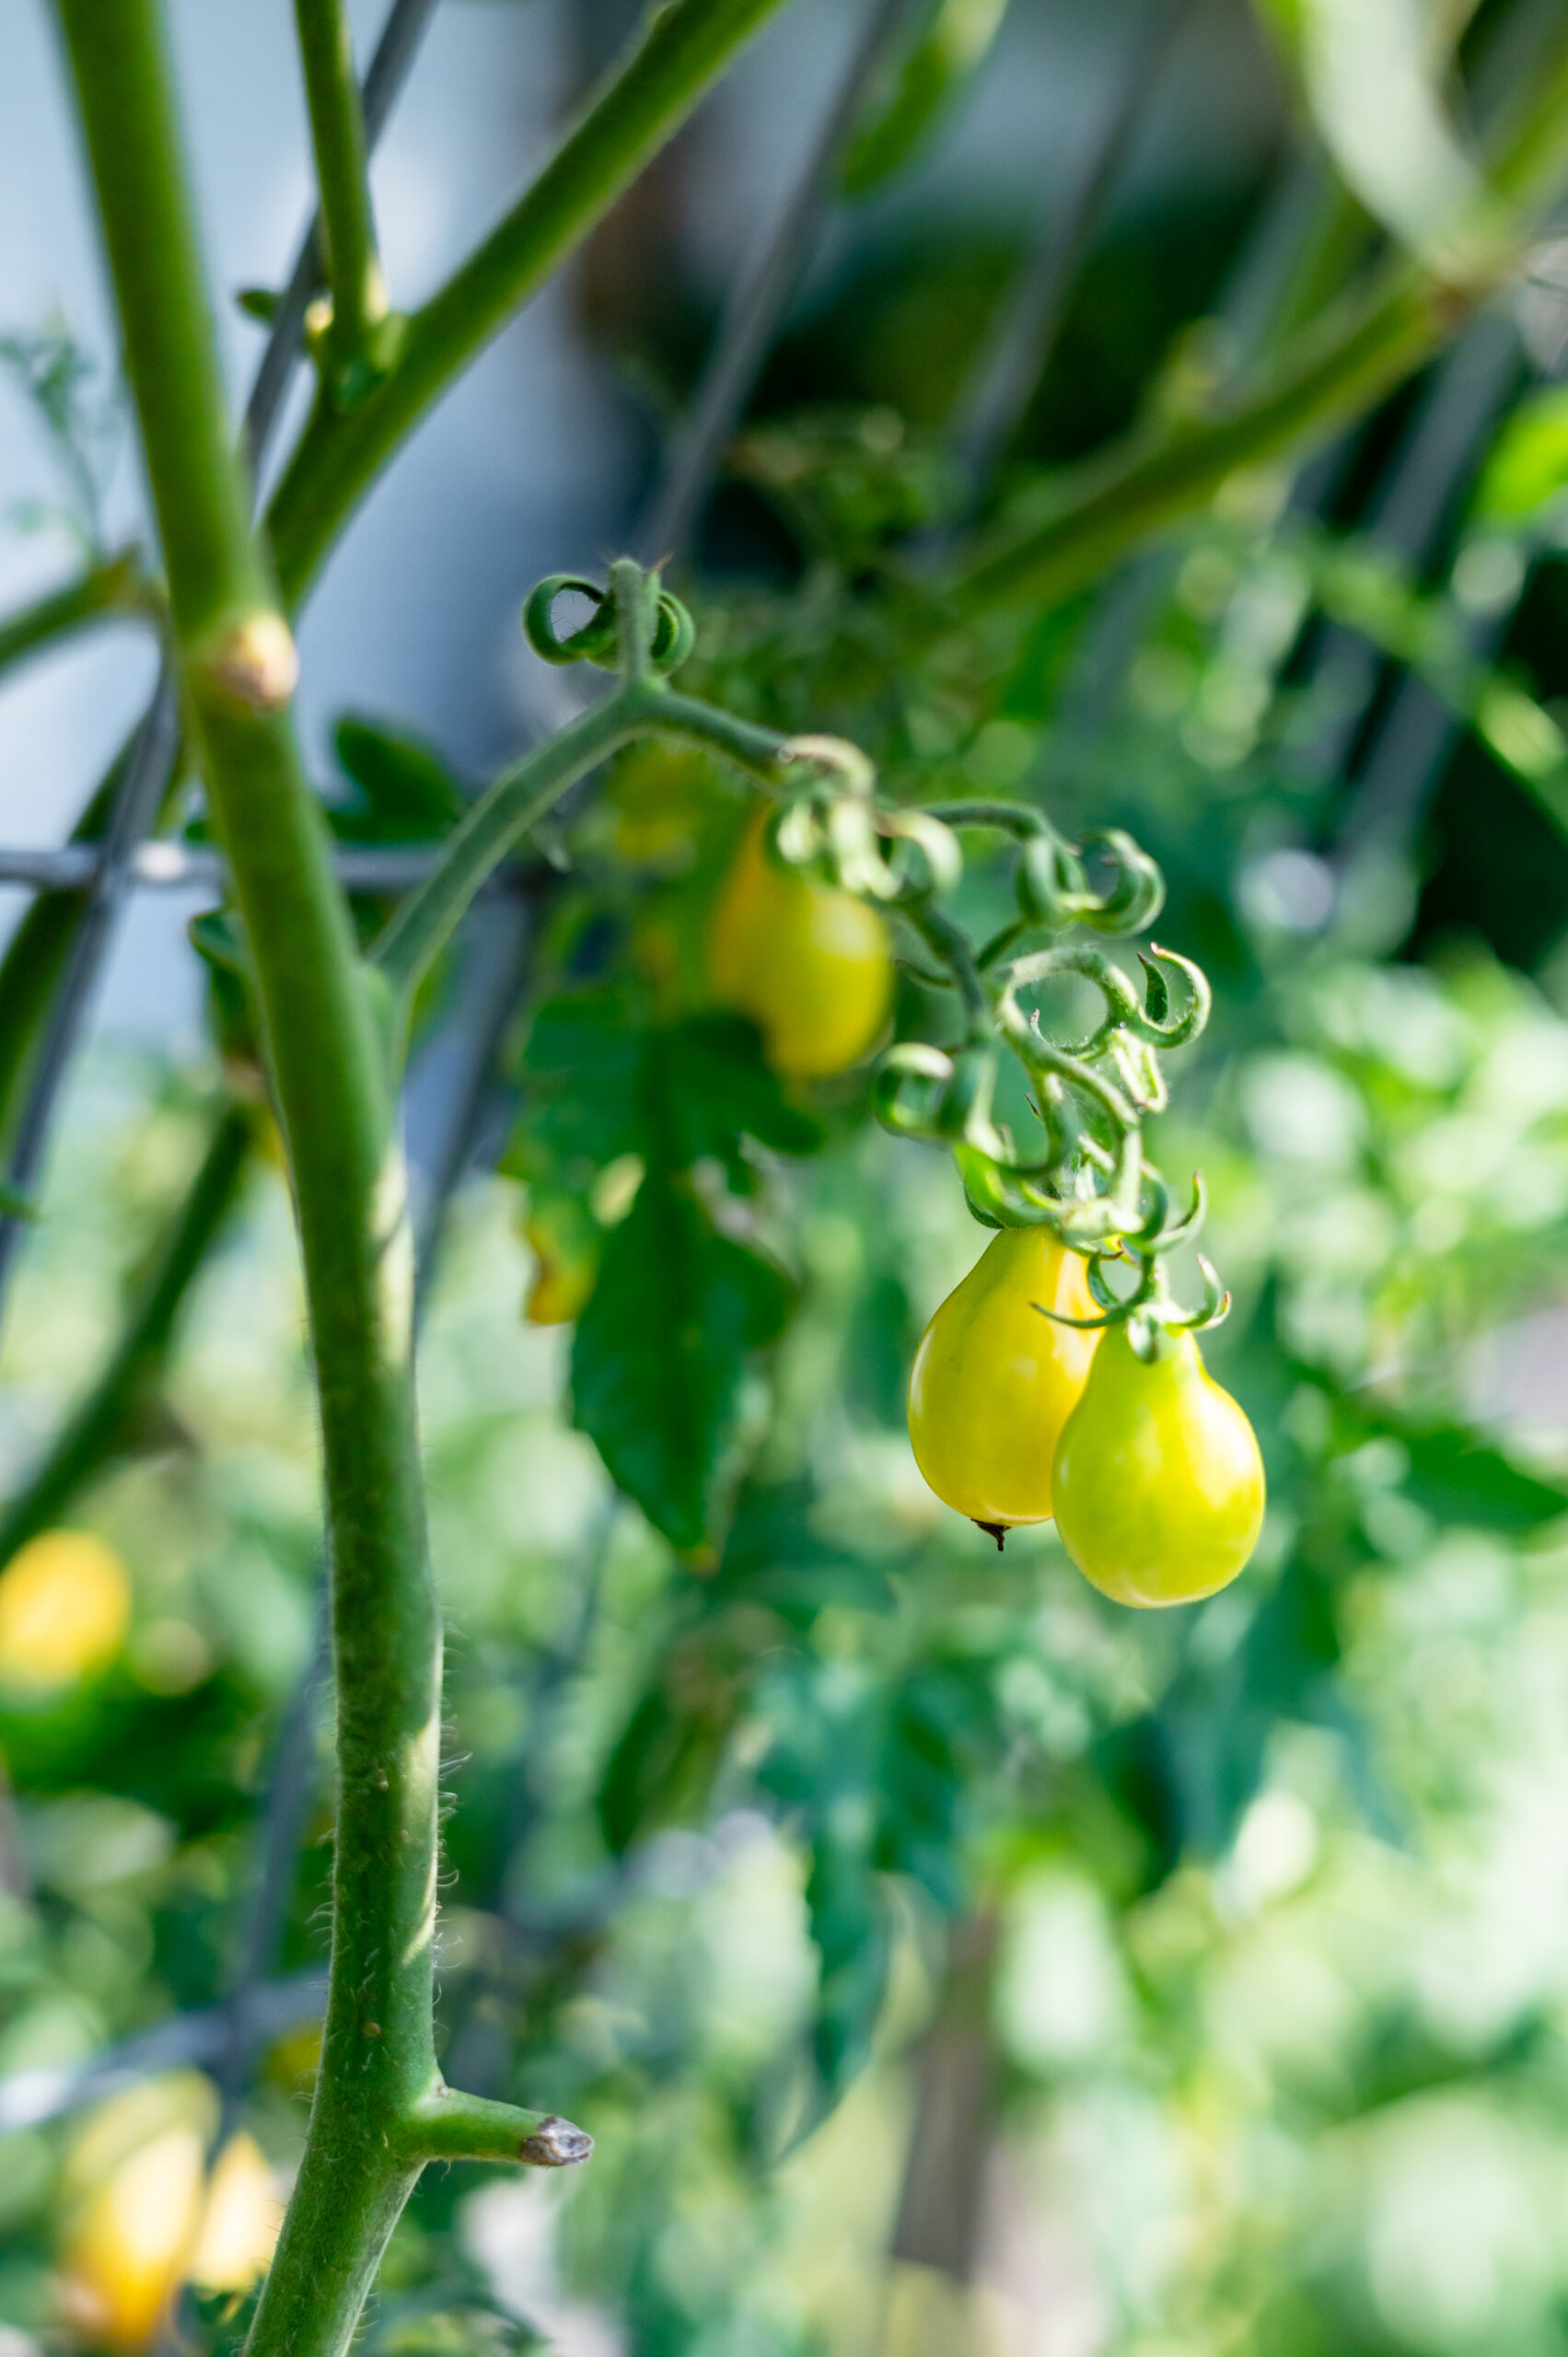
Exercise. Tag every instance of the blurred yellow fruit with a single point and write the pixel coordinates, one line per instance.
(808, 963)
(147, 2224)
(127, 2246)
(239, 2225)
(564, 1241)
(64, 1608)
(294, 2058)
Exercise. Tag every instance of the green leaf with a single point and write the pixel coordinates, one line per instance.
(406, 793)
(582, 1074)
(599, 1086)
(716, 1087)
(848, 1914)
(1527, 468)
(660, 1355)
(1456, 1478)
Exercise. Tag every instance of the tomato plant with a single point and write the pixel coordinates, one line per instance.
(848, 789)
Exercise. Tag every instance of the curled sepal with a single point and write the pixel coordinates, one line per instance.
(1163, 1228)
(1156, 1023)
(907, 1089)
(837, 756)
(1216, 1306)
(1099, 1219)
(919, 1091)
(1137, 895)
(599, 639)
(926, 859)
(996, 1196)
(1113, 1308)
(1050, 881)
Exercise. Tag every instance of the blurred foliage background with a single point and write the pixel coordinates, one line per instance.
(942, 1957)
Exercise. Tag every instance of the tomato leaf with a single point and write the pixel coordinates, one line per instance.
(598, 1085)
(716, 1089)
(582, 1073)
(405, 792)
(661, 1353)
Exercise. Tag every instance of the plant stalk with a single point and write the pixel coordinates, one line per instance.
(682, 51)
(348, 221)
(115, 584)
(322, 1019)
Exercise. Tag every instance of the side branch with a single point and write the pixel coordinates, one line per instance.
(348, 224)
(1359, 351)
(685, 47)
(447, 2126)
(116, 585)
(425, 922)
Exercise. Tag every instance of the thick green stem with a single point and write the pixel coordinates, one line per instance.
(1367, 344)
(323, 1019)
(1091, 515)
(682, 52)
(348, 223)
(101, 1421)
(117, 585)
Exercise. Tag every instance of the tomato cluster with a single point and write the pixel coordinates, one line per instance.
(1152, 1471)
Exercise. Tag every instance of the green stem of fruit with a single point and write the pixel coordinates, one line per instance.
(951, 944)
(117, 585)
(521, 795)
(682, 51)
(348, 221)
(101, 1421)
(323, 1019)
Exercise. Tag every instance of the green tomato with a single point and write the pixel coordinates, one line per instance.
(1157, 1482)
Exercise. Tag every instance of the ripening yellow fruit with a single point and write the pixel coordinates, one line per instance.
(567, 1255)
(148, 2225)
(64, 1608)
(1158, 1479)
(808, 963)
(126, 2251)
(993, 1381)
(239, 2223)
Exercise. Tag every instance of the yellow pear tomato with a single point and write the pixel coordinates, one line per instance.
(993, 1381)
(808, 963)
(240, 2219)
(149, 2221)
(125, 2254)
(1158, 1482)
(64, 1608)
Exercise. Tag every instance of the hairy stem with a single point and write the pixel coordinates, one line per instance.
(322, 1017)
(682, 50)
(520, 796)
(102, 1420)
(348, 223)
